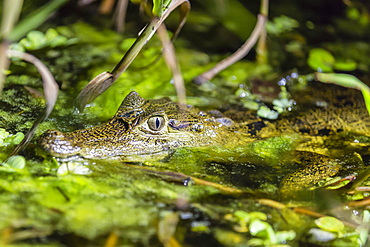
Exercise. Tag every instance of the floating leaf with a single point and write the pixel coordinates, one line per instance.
(266, 112)
(242, 216)
(7, 139)
(262, 229)
(73, 168)
(321, 60)
(283, 236)
(330, 224)
(16, 161)
(281, 24)
(258, 215)
(3, 135)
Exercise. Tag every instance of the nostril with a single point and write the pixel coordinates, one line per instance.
(49, 138)
(54, 133)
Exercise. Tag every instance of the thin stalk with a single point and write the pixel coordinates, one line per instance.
(4, 64)
(346, 80)
(262, 54)
(181, 177)
(134, 50)
(106, 6)
(144, 37)
(120, 15)
(11, 12)
(239, 54)
(171, 61)
(299, 210)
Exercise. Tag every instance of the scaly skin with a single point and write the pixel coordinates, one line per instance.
(145, 127)
(150, 127)
(139, 127)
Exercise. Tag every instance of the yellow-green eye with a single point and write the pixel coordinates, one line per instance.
(156, 123)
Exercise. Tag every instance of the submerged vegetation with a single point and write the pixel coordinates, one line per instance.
(302, 179)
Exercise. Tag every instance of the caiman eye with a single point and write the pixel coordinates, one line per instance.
(156, 123)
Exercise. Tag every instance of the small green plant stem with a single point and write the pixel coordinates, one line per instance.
(262, 54)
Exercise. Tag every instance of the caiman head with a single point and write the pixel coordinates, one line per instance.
(140, 127)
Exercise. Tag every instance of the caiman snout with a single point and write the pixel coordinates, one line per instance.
(57, 144)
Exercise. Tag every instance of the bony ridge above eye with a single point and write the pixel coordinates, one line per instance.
(156, 123)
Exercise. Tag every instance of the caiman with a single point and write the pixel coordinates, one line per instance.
(157, 127)
(146, 127)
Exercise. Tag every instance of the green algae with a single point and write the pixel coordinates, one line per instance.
(88, 207)
(44, 205)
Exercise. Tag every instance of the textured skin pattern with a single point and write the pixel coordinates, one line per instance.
(130, 131)
(150, 126)
(330, 126)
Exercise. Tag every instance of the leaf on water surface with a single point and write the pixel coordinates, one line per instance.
(330, 224)
(16, 161)
(321, 60)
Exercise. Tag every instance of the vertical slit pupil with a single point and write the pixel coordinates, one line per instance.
(157, 123)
